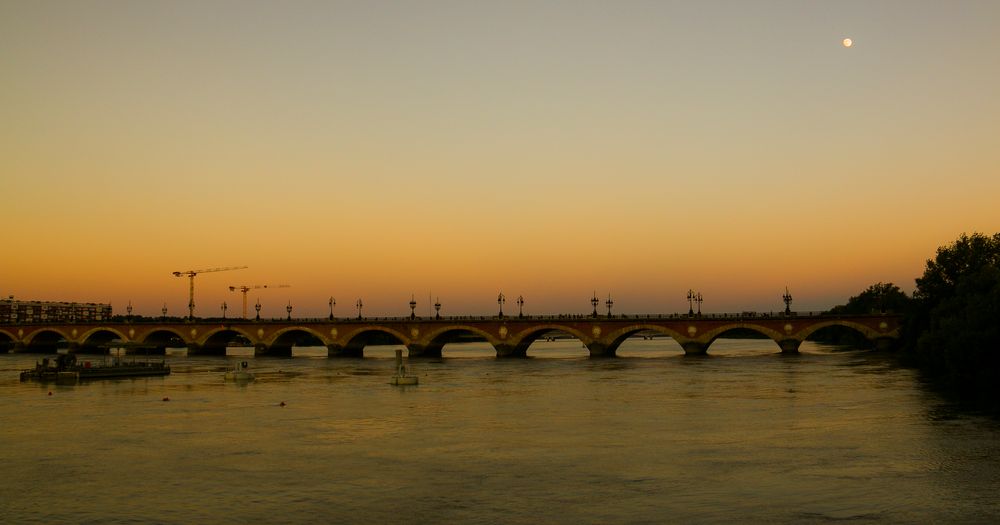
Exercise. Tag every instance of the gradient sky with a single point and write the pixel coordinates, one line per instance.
(378, 149)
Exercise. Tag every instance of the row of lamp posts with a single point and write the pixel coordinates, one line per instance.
(692, 297)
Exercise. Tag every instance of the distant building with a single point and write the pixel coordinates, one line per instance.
(17, 311)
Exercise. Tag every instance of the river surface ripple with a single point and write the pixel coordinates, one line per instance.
(744, 434)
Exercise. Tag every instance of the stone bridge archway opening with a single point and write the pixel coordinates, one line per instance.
(837, 338)
(6, 342)
(742, 342)
(647, 342)
(553, 343)
(161, 342)
(225, 342)
(460, 343)
(101, 341)
(376, 343)
(47, 342)
(298, 342)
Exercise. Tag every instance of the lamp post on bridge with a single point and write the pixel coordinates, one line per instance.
(224, 308)
(501, 299)
(594, 301)
(359, 305)
(788, 302)
(691, 297)
(257, 307)
(129, 310)
(332, 304)
(437, 308)
(289, 310)
(609, 303)
(699, 299)
(520, 307)
(413, 307)
(164, 311)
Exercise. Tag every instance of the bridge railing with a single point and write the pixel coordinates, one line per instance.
(733, 316)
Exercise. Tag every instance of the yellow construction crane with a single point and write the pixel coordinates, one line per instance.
(246, 288)
(192, 273)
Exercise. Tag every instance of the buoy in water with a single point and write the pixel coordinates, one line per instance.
(166, 399)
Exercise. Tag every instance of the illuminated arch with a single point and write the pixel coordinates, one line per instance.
(619, 336)
(277, 335)
(86, 335)
(864, 330)
(436, 336)
(771, 334)
(203, 338)
(31, 337)
(354, 335)
(532, 334)
(8, 334)
(145, 338)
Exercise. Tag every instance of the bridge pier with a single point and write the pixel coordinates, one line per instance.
(335, 350)
(506, 350)
(694, 348)
(598, 349)
(789, 346)
(194, 349)
(17, 348)
(416, 350)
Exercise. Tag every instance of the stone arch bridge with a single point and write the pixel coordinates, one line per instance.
(510, 336)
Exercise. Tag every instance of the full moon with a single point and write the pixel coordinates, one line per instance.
(848, 42)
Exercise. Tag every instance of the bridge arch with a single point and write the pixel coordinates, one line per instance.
(616, 338)
(215, 341)
(861, 329)
(765, 333)
(46, 340)
(162, 338)
(91, 340)
(7, 341)
(433, 343)
(441, 334)
(283, 341)
(159, 333)
(283, 334)
(357, 340)
(535, 332)
(522, 341)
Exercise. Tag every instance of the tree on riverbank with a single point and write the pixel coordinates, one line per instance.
(951, 326)
(878, 298)
(953, 329)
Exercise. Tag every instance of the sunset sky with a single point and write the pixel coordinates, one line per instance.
(551, 149)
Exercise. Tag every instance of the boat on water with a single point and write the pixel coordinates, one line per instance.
(64, 368)
(240, 372)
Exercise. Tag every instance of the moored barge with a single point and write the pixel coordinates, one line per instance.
(65, 369)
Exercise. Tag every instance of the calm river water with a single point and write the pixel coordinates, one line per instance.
(744, 434)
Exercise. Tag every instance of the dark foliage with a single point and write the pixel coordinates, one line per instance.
(953, 329)
(879, 297)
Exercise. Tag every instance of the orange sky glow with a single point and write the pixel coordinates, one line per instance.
(552, 149)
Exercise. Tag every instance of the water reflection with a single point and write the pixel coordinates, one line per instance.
(743, 434)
